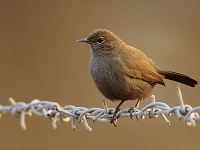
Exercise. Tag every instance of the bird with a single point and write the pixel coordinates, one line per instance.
(122, 72)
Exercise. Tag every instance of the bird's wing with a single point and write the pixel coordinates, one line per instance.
(141, 67)
(149, 77)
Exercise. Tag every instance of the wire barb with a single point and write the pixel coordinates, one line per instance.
(71, 113)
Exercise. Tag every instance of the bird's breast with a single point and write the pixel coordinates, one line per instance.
(108, 76)
(105, 68)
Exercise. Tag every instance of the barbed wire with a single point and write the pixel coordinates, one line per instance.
(71, 113)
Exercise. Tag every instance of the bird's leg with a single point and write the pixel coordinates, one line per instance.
(133, 109)
(113, 120)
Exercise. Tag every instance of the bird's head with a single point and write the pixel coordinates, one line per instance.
(102, 40)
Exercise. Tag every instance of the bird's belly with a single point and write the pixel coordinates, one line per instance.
(115, 85)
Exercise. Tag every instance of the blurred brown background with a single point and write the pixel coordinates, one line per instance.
(39, 58)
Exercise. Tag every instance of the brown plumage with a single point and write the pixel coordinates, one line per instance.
(122, 72)
(178, 77)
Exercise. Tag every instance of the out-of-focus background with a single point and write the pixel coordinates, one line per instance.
(39, 58)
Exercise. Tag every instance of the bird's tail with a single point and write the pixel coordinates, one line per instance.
(178, 77)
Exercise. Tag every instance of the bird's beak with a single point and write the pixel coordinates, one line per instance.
(83, 40)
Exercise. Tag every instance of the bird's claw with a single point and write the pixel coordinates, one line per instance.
(132, 110)
(113, 121)
(114, 118)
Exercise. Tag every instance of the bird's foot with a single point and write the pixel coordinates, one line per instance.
(114, 118)
(132, 110)
(113, 121)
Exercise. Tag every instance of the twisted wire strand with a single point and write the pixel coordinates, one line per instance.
(71, 113)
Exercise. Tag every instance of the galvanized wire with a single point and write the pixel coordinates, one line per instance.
(71, 113)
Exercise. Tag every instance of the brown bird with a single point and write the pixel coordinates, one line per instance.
(122, 72)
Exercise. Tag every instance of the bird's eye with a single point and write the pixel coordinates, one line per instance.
(100, 40)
